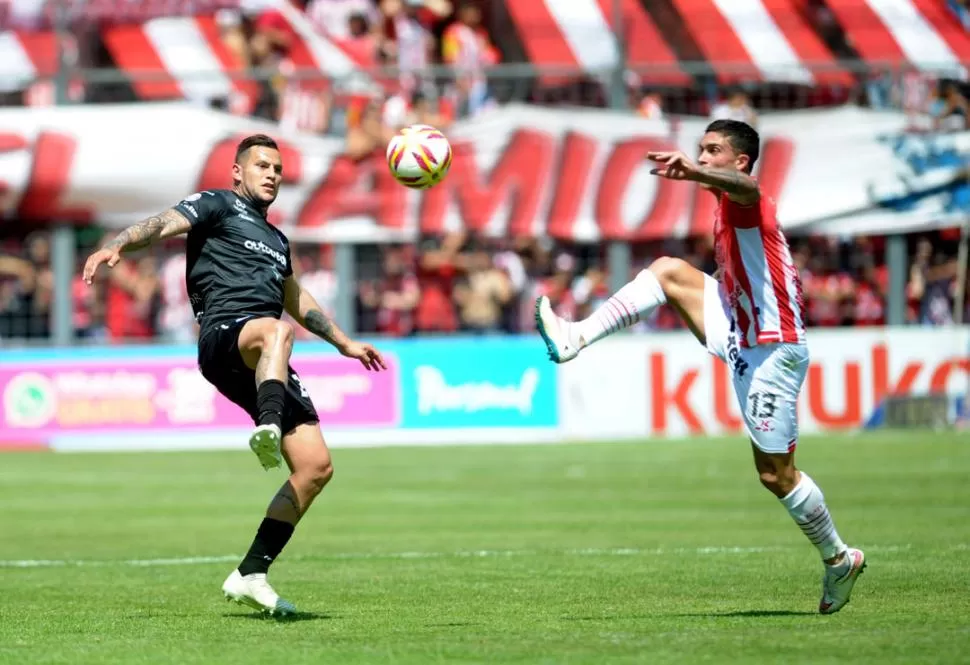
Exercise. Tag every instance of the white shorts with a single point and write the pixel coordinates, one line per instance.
(767, 378)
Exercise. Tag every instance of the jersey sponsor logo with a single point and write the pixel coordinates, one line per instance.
(242, 211)
(263, 248)
(765, 426)
(192, 198)
(738, 364)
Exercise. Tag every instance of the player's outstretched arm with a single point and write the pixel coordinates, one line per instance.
(739, 186)
(305, 310)
(137, 236)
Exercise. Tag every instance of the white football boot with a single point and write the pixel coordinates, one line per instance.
(555, 332)
(255, 591)
(265, 442)
(837, 582)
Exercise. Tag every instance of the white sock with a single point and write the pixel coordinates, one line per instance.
(624, 308)
(807, 507)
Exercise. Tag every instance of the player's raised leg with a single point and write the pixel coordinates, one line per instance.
(266, 345)
(667, 280)
(310, 467)
(805, 502)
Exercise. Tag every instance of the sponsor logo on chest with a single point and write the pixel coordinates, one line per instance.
(263, 248)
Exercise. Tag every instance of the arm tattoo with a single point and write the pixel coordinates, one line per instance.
(728, 180)
(318, 323)
(144, 233)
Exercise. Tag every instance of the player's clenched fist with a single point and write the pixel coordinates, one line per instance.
(675, 165)
(106, 255)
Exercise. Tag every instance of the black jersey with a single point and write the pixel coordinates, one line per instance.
(236, 261)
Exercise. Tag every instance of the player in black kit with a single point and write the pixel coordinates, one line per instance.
(240, 279)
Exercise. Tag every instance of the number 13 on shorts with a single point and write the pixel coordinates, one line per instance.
(769, 398)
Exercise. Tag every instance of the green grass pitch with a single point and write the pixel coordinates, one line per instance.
(651, 552)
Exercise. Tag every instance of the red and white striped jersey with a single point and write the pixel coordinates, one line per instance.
(303, 104)
(760, 278)
(303, 109)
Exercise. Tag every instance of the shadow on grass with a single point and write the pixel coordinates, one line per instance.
(610, 617)
(749, 613)
(735, 613)
(290, 618)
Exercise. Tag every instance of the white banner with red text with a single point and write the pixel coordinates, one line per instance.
(518, 170)
(666, 384)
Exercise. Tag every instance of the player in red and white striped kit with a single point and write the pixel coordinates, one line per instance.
(751, 318)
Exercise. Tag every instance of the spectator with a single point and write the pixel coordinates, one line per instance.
(361, 41)
(869, 297)
(318, 277)
(369, 133)
(304, 104)
(176, 322)
(341, 19)
(510, 260)
(650, 105)
(482, 294)
(398, 112)
(558, 286)
(42, 295)
(232, 32)
(130, 299)
(405, 39)
(273, 34)
(591, 290)
(949, 108)
(263, 56)
(916, 285)
(440, 264)
(823, 290)
(737, 106)
(17, 279)
(395, 297)
(88, 315)
(467, 47)
(935, 289)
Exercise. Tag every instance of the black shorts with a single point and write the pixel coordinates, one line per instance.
(222, 365)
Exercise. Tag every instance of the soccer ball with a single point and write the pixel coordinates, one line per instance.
(419, 156)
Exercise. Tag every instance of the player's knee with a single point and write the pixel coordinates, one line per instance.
(779, 482)
(319, 474)
(279, 332)
(669, 271)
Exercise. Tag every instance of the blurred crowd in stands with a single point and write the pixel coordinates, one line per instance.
(458, 283)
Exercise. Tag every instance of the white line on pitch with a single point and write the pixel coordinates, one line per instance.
(351, 556)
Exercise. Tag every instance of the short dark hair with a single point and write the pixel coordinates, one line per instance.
(742, 137)
(254, 141)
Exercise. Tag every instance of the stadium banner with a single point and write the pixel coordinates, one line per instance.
(666, 384)
(576, 174)
(453, 391)
(161, 393)
(449, 391)
(484, 383)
